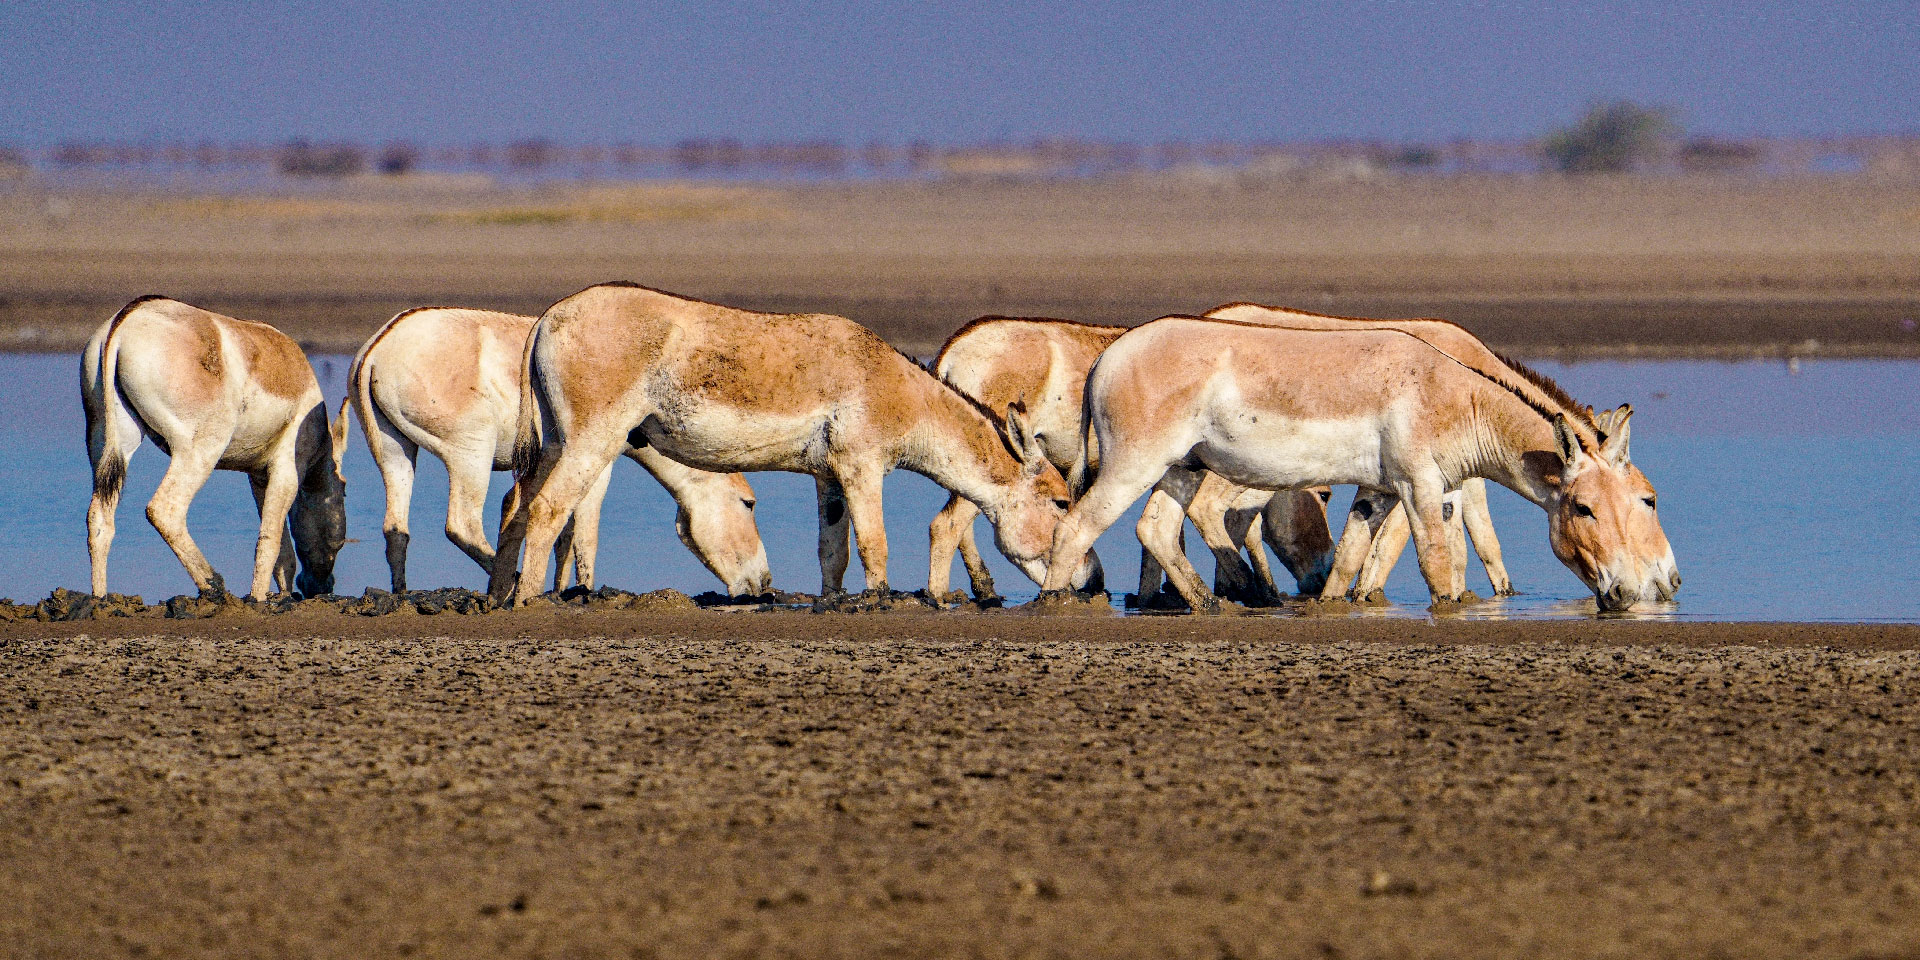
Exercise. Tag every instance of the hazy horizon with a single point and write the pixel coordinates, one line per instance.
(970, 71)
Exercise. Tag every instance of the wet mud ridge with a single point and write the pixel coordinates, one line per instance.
(572, 781)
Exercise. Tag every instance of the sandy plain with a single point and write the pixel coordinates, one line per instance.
(1542, 266)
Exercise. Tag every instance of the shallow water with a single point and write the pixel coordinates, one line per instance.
(1788, 494)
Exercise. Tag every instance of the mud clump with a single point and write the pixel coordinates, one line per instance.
(208, 605)
(772, 599)
(609, 598)
(1068, 603)
(875, 601)
(379, 603)
(68, 606)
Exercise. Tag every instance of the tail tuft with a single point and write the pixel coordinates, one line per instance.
(110, 474)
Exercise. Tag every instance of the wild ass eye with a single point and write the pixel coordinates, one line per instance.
(1062, 504)
(749, 503)
(1582, 510)
(1326, 495)
(1649, 502)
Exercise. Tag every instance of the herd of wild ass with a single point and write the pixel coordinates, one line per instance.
(1238, 420)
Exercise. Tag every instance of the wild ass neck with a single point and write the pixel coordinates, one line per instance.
(958, 446)
(1509, 441)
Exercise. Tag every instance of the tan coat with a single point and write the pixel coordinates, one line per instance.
(722, 389)
(446, 380)
(1277, 407)
(214, 393)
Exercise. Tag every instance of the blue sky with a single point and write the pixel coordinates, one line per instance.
(961, 71)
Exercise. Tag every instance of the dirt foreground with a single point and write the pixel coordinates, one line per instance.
(560, 783)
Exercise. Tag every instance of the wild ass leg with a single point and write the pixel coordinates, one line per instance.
(1207, 501)
(468, 472)
(865, 508)
(831, 503)
(952, 529)
(1245, 525)
(283, 568)
(104, 505)
(395, 455)
(1479, 521)
(1118, 485)
(564, 480)
(1159, 532)
(1390, 541)
(283, 482)
(1369, 511)
(187, 472)
(582, 536)
(1424, 497)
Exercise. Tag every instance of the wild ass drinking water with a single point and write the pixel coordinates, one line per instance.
(620, 365)
(447, 380)
(1041, 365)
(1280, 407)
(214, 393)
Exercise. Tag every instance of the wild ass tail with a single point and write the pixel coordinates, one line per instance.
(104, 400)
(526, 435)
(1087, 454)
(360, 382)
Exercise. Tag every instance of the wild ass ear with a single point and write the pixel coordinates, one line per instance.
(1615, 447)
(1567, 444)
(1020, 436)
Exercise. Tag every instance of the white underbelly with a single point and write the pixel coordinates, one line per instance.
(724, 440)
(1275, 452)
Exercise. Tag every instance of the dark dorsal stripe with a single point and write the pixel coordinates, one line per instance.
(1518, 393)
(1574, 409)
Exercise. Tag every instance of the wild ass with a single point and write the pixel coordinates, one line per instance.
(1365, 560)
(447, 380)
(214, 393)
(1041, 364)
(1280, 407)
(620, 365)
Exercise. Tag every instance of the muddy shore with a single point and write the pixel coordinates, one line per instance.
(1569, 268)
(574, 783)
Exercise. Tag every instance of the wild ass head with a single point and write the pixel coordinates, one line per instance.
(724, 536)
(1028, 512)
(320, 510)
(1602, 517)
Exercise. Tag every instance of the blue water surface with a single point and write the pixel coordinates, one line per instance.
(1788, 494)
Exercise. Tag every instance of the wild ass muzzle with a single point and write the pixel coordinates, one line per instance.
(214, 393)
(1279, 407)
(445, 380)
(727, 390)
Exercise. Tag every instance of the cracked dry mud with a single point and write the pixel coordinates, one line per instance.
(566, 783)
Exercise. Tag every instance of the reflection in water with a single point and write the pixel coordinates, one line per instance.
(1786, 498)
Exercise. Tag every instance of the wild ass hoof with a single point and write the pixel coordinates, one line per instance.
(215, 590)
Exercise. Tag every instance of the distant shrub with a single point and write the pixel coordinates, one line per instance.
(397, 158)
(1410, 158)
(1610, 138)
(1706, 154)
(303, 159)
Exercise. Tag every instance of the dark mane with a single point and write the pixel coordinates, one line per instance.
(1573, 410)
(1554, 392)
